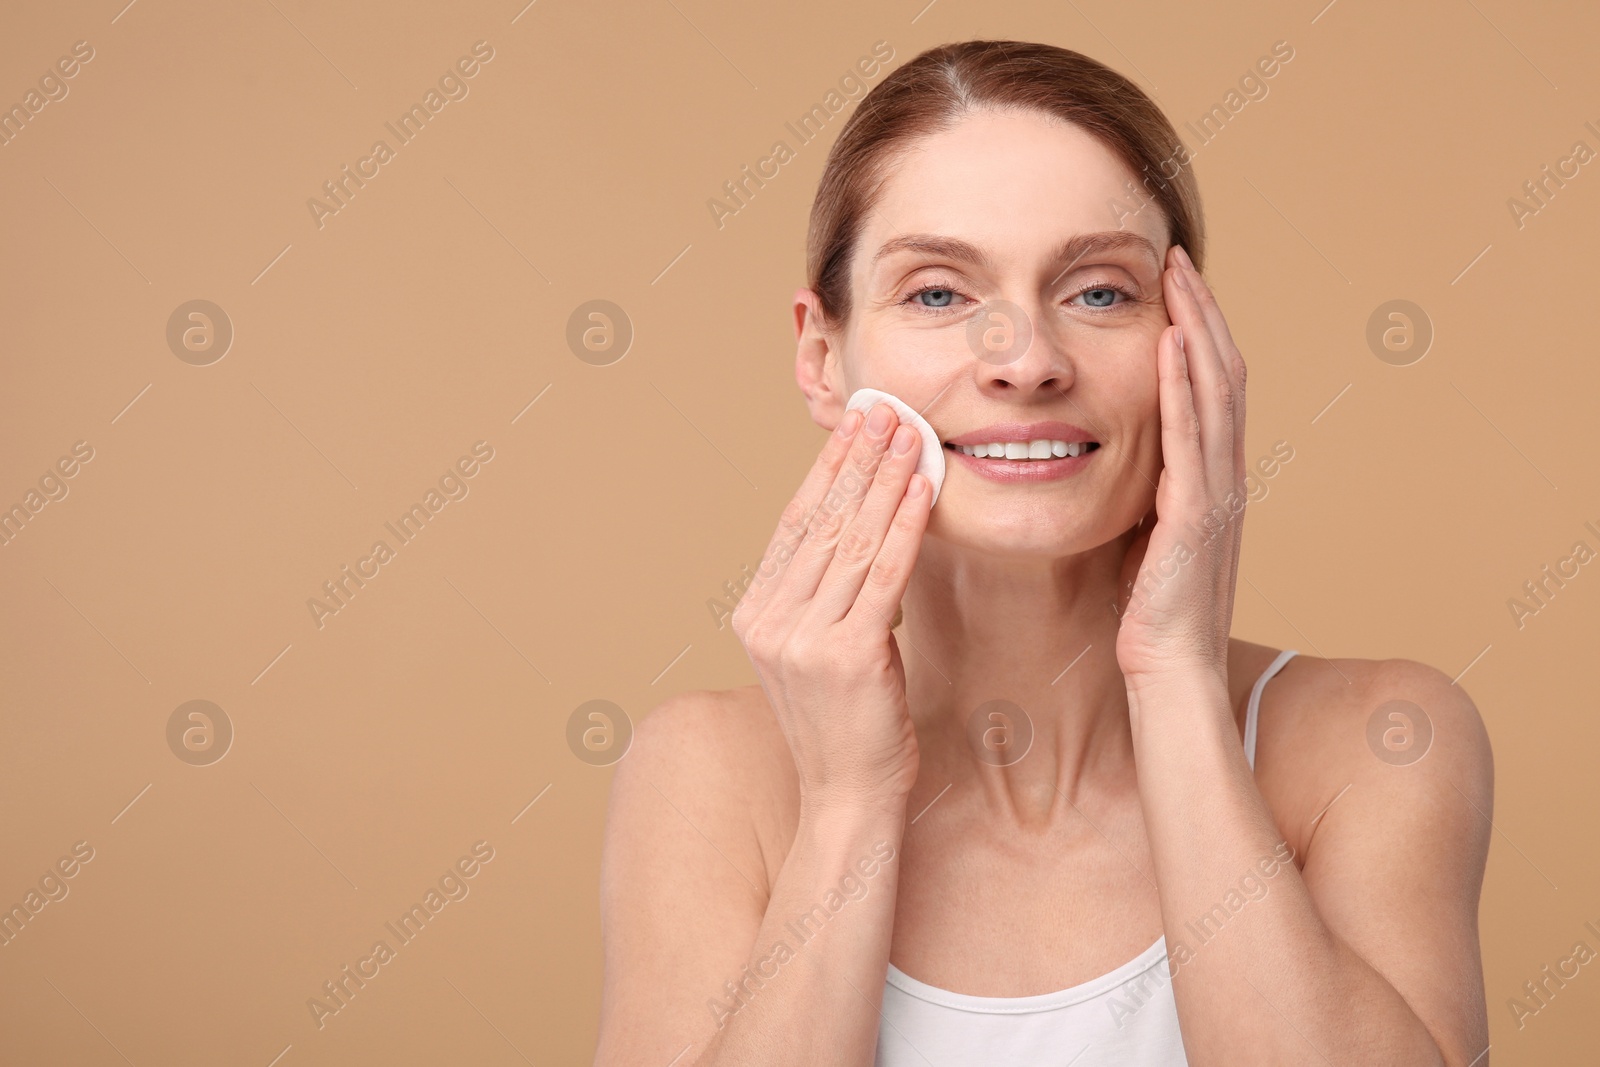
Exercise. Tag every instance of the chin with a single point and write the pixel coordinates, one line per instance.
(1022, 531)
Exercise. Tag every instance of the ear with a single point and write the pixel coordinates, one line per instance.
(816, 361)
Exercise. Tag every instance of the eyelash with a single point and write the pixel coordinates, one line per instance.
(933, 287)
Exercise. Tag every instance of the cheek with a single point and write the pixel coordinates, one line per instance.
(914, 365)
(1144, 409)
(1123, 370)
(1126, 388)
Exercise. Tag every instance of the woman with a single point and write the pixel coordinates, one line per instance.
(1051, 813)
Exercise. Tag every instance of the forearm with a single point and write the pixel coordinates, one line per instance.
(813, 987)
(1257, 975)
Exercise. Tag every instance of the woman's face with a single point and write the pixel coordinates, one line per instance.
(1010, 276)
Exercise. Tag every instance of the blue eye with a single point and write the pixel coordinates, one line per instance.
(936, 298)
(1100, 297)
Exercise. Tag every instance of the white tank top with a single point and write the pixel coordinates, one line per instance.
(1127, 1018)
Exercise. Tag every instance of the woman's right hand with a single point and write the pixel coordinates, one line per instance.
(816, 619)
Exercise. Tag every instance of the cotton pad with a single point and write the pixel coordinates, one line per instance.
(930, 462)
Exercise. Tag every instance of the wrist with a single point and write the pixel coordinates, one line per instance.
(844, 811)
(1179, 692)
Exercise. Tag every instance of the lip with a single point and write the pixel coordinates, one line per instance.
(1003, 432)
(1017, 471)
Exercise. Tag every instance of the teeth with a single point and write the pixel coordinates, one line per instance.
(1039, 449)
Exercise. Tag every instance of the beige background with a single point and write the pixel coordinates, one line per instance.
(371, 753)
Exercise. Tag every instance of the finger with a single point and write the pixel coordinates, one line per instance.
(1218, 323)
(835, 511)
(786, 539)
(1232, 363)
(885, 583)
(1181, 458)
(861, 541)
(1212, 390)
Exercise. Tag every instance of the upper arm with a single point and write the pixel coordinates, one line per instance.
(682, 883)
(1395, 864)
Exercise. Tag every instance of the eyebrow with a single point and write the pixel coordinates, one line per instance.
(1070, 252)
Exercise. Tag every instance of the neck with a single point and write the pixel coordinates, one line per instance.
(1037, 633)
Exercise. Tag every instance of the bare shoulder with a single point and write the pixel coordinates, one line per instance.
(1381, 776)
(716, 761)
(1395, 729)
(686, 870)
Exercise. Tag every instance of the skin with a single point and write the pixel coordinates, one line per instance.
(737, 810)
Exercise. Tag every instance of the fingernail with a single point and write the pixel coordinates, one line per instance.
(850, 423)
(902, 440)
(1179, 337)
(918, 484)
(879, 421)
(1184, 255)
(1182, 279)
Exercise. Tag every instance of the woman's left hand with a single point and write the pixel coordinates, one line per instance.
(1178, 579)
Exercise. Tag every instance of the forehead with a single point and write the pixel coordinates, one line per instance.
(1016, 181)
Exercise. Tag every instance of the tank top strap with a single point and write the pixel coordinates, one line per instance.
(1253, 711)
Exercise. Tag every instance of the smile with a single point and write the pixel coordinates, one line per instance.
(1023, 452)
(1024, 462)
(1026, 450)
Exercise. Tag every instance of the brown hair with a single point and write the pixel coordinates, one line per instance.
(937, 88)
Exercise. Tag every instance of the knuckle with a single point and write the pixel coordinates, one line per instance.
(825, 526)
(854, 546)
(886, 569)
(764, 647)
(1224, 393)
(1191, 426)
(793, 519)
(802, 651)
(746, 628)
(743, 619)
(830, 503)
(861, 469)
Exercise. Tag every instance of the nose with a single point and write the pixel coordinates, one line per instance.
(1016, 352)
